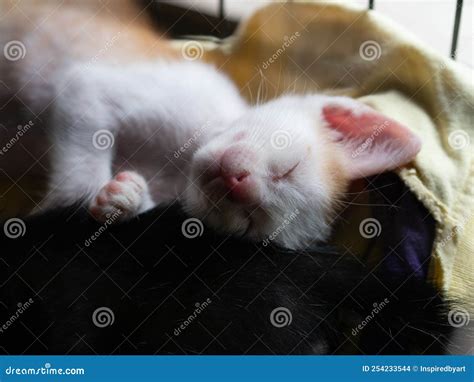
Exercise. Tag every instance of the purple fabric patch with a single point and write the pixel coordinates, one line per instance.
(408, 229)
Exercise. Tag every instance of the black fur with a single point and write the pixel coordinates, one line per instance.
(152, 277)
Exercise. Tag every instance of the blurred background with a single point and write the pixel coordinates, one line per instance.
(432, 21)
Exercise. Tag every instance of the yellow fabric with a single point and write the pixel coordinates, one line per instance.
(336, 49)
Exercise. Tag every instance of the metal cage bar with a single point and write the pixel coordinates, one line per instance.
(457, 23)
(221, 10)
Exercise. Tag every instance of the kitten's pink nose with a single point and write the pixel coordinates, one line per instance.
(239, 188)
(236, 163)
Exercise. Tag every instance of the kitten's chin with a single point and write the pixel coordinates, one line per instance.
(220, 216)
(294, 229)
(233, 221)
(252, 229)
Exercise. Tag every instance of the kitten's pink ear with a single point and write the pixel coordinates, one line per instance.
(372, 142)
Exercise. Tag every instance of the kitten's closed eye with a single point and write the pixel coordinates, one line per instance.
(328, 141)
(277, 176)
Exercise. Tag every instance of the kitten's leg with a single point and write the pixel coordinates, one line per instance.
(83, 131)
(78, 172)
(122, 198)
(85, 176)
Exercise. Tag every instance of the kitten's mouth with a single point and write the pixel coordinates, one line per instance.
(249, 227)
(252, 221)
(242, 190)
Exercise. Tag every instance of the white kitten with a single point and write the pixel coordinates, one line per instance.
(129, 138)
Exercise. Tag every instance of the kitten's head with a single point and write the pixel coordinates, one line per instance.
(276, 173)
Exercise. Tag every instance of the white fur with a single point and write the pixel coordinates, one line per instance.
(151, 109)
(171, 122)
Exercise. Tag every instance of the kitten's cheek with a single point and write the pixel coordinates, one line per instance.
(206, 166)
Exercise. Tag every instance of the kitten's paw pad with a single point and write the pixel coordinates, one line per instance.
(121, 198)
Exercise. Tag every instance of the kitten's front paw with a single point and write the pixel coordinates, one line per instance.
(120, 199)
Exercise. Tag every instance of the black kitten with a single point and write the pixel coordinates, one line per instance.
(145, 288)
